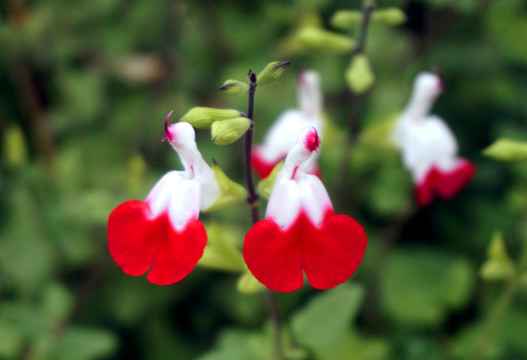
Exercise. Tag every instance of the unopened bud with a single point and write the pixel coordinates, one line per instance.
(228, 131)
(498, 265)
(507, 150)
(234, 87)
(204, 117)
(389, 16)
(359, 74)
(272, 72)
(319, 39)
(15, 147)
(346, 19)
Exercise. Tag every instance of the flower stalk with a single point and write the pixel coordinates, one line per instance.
(252, 201)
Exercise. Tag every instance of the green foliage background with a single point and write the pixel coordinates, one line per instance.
(85, 86)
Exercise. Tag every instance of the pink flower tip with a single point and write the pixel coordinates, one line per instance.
(168, 135)
(312, 140)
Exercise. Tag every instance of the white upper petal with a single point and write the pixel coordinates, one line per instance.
(295, 190)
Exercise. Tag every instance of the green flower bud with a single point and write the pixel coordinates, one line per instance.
(319, 39)
(272, 72)
(346, 19)
(204, 117)
(499, 265)
(248, 284)
(507, 150)
(228, 131)
(15, 147)
(359, 74)
(235, 87)
(231, 192)
(389, 16)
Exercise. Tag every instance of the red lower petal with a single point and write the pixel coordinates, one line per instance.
(136, 242)
(332, 253)
(261, 166)
(179, 255)
(450, 183)
(274, 256)
(329, 255)
(425, 191)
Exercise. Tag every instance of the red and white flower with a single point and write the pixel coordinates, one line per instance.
(429, 148)
(301, 232)
(163, 233)
(282, 135)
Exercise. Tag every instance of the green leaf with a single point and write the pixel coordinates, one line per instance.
(328, 316)
(221, 252)
(231, 192)
(232, 345)
(11, 341)
(265, 187)
(81, 343)
(359, 75)
(272, 72)
(379, 134)
(498, 265)
(57, 302)
(346, 19)
(421, 286)
(15, 147)
(507, 150)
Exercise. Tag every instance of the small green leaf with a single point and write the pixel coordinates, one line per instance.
(221, 252)
(507, 150)
(11, 341)
(265, 187)
(379, 134)
(328, 316)
(204, 117)
(272, 72)
(228, 131)
(234, 87)
(319, 39)
(359, 75)
(231, 192)
(389, 16)
(346, 19)
(136, 175)
(498, 265)
(248, 284)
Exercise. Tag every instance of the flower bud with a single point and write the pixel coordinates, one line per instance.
(499, 265)
(234, 87)
(389, 16)
(507, 150)
(228, 131)
(15, 147)
(359, 74)
(272, 72)
(204, 117)
(346, 19)
(319, 39)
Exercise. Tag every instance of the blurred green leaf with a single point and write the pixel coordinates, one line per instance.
(11, 341)
(82, 343)
(448, 281)
(221, 252)
(328, 316)
(248, 284)
(498, 265)
(232, 345)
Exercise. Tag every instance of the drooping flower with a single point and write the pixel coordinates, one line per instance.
(163, 233)
(429, 148)
(301, 232)
(282, 135)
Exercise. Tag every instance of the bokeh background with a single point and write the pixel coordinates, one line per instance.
(84, 89)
